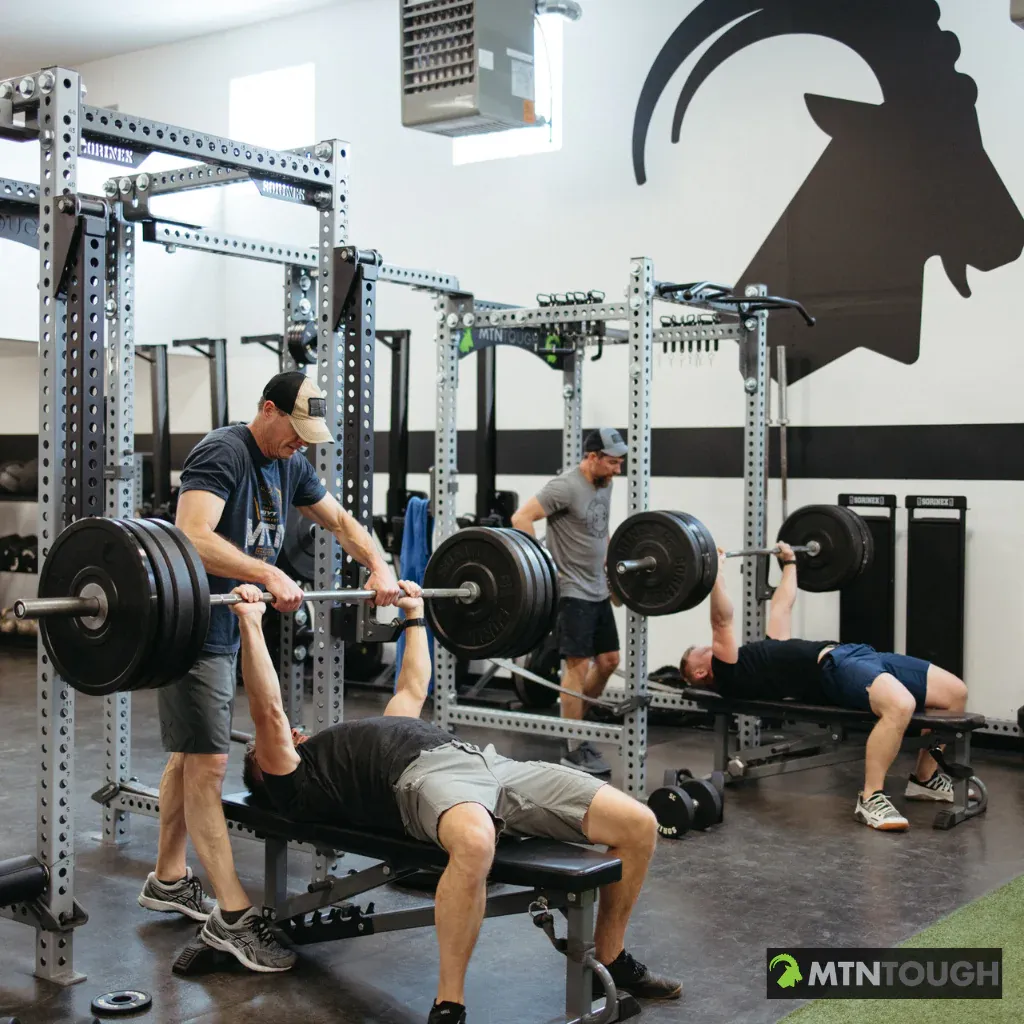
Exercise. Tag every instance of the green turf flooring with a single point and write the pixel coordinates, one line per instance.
(995, 920)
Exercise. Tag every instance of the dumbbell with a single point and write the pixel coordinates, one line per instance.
(684, 802)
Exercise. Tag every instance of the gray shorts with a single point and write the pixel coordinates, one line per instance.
(525, 798)
(195, 712)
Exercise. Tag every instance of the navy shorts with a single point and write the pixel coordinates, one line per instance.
(586, 628)
(849, 669)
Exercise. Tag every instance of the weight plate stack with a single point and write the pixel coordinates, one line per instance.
(841, 546)
(103, 655)
(491, 626)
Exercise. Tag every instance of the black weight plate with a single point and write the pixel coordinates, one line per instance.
(154, 674)
(869, 543)
(673, 807)
(544, 661)
(107, 658)
(180, 659)
(552, 579)
(840, 541)
(676, 584)
(487, 627)
(117, 1004)
(200, 590)
(707, 803)
(535, 626)
(707, 545)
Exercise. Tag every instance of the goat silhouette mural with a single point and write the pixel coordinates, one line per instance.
(900, 181)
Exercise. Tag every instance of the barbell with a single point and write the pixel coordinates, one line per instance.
(666, 562)
(124, 604)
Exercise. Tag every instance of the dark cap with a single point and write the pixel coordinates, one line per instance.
(606, 440)
(296, 395)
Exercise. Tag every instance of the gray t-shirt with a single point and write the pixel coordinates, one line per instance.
(577, 514)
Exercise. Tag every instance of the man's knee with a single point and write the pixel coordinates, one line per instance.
(945, 690)
(607, 663)
(615, 819)
(891, 700)
(204, 772)
(466, 831)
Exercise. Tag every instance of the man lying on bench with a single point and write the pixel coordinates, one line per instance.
(893, 686)
(400, 774)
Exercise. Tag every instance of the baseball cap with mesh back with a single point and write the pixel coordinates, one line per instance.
(298, 397)
(607, 440)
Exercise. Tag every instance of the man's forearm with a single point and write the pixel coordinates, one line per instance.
(414, 679)
(222, 558)
(355, 539)
(258, 672)
(721, 606)
(524, 524)
(785, 593)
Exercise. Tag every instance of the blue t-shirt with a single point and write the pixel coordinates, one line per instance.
(257, 494)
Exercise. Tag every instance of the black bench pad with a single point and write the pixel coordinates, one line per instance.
(538, 863)
(709, 700)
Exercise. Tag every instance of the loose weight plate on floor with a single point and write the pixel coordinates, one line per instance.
(101, 656)
(493, 626)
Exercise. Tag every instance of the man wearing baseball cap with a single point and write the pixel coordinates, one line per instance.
(237, 487)
(576, 506)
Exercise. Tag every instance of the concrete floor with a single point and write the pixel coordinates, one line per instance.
(789, 867)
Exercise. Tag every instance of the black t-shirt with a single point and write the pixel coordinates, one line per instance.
(773, 670)
(257, 494)
(347, 773)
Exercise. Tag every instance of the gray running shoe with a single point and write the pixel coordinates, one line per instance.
(185, 896)
(586, 758)
(249, 940)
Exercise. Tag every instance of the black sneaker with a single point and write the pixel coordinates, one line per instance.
(635, 978)
(249, 940)
(447, 1013)
(586, 758)
(185, 896)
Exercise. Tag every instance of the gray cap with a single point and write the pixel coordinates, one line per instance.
(607, 440)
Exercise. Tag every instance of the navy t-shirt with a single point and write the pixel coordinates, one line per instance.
(257, 494)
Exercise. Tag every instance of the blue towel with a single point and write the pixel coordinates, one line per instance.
(414, 555)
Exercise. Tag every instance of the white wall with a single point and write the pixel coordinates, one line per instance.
(571, 220)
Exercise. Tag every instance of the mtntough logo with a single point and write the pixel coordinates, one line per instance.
(885, 973)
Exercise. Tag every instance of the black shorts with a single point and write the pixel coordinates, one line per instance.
(586, 628)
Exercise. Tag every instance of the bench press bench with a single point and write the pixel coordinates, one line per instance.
(826, 744)
(551, 875)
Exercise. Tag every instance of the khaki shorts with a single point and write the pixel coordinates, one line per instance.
(525, 798)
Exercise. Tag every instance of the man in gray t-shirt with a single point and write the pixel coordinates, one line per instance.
(576, 506)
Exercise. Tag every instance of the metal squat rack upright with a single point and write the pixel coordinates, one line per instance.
(87, 249)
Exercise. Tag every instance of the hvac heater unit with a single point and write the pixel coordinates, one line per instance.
(467, 65)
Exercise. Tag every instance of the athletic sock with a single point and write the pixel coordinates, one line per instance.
(447, 1009)
(234, 916)
(573, 744)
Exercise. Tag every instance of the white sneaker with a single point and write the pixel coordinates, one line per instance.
(878, 812)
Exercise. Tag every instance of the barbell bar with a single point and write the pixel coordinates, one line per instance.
(649, 562)
(667, 561)
(96, 607)
(125, 604)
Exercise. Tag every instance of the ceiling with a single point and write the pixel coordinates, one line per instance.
(74, 32)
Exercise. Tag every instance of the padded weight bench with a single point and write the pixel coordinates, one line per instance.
(827, 744)
(554, 876)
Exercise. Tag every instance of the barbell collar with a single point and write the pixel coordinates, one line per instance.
(84, 607)
(636, 565)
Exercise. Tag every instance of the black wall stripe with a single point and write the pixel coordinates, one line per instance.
(976, 451)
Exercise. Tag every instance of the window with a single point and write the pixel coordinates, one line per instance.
(275, 109)
(544, 138)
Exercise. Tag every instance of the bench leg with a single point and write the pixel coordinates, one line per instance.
(578, 976)
(275, 874)
(963, 807)
(722, 742)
